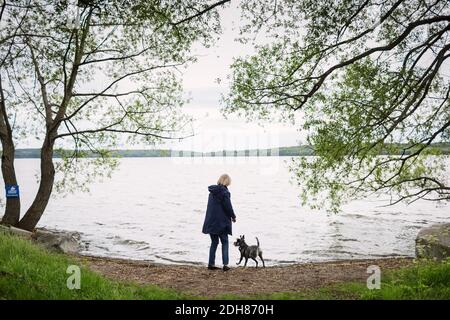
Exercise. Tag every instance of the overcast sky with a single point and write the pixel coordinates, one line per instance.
(212, 130)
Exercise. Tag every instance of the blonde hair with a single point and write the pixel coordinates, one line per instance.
(224, 180)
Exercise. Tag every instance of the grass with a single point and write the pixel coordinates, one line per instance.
(425, 280)
(28, 271)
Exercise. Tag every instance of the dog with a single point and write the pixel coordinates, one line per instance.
(249, 251)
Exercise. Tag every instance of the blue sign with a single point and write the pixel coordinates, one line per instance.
(12, 191)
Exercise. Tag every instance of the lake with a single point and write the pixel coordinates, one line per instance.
(153, 209)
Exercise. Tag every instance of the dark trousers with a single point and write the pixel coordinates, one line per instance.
(212, 250)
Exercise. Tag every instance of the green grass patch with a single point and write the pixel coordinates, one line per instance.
(424, 280)
(30, 272)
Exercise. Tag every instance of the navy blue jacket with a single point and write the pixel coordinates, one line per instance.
(219, 211)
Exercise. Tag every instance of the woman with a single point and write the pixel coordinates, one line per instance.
(219, 215)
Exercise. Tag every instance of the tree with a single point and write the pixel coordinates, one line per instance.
(366, 78)
(89, 78)
(12, 208)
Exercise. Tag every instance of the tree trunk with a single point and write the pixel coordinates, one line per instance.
(34, 213)
(12, 210)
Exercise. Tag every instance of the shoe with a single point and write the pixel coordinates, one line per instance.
(213, 268)
(226, 268)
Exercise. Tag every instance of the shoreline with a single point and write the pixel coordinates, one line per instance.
(250, 264)
(198, 280)
(31, 272)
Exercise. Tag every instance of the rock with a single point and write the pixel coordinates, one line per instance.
(434, 242)
(16, 231)
(59, 241)
(20, 232)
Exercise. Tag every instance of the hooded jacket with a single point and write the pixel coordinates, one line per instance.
(219, 211)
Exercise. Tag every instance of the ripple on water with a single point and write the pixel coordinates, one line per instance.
(177, 261)
(128, 242)
(348, 239)
(173, 203)
(336, 235)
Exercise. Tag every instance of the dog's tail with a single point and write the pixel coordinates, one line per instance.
(257, 241)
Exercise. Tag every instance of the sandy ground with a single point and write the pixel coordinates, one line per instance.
(241, 281)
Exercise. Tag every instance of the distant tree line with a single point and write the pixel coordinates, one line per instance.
(305, 150)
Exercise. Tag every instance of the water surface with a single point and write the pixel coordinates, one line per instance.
(153, 209)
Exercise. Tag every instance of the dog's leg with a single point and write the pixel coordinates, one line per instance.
(245, 264)
(261, 257)
(256, 261)
(240, 260)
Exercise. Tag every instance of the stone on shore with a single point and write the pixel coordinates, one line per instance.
(434, 242)
(59, 241)
(16, 231)
(54, 240)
